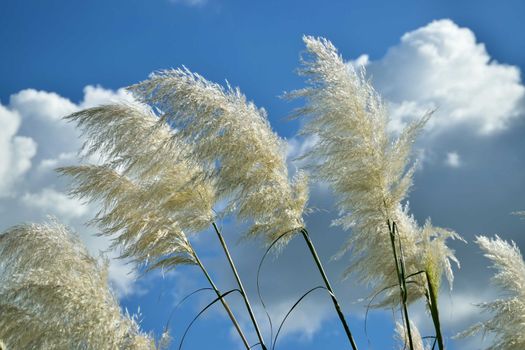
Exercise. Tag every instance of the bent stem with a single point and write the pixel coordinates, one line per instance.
(329, 287)
(223, 301)
(401, 279)
(241, 287)
(434, 311)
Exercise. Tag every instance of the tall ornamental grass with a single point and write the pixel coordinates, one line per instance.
(506, 322)
(188, 153)
(54, 295)
(370, 172)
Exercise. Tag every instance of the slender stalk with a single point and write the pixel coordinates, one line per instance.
(329, 287)
(241, 287)
(402, 283)
(223, 301)
(434, 311)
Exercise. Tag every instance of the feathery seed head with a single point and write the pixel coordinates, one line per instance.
(506, 258)
(367, 168)
(165, 341)
(152, 189)
(234, 137)
(402, 337)
(508, 315)
(438, 256)
(54, 295)
(354, 152)
(149, 229)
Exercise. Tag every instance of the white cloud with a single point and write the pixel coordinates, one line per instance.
(16, 151)
(190, 2)
(97, 95)
(297, 147)
(121, 277)
(453, 160)
(32, 131)
(49, 164)
(42, 114)
(300, 320)
(41, 105)
(458, 311)
(58, 203)
(442, 66)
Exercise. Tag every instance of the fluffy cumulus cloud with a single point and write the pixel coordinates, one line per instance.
(34, 140)
(43, 105)
(442, 67)
(16, 151)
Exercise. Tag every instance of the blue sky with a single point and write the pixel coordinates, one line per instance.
(62, 46)
(58, 56)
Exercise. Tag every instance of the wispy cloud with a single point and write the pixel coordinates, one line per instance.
(191, 3)
(453, 160)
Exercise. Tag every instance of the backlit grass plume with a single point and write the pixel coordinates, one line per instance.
(152, 192)
(402, 337)
(149, 233)
(507, 321)
(233, 136)
(370, 172)
(54, 295)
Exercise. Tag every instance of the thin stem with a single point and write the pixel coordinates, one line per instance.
(223, 301)
(434, 311)
(241, 287)
(329, 287)
(401, 279)
(290, 311)
(220, 297)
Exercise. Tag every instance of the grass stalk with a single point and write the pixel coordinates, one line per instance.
(329, 287)
(241, 287)
(223, 301)
(402, 283)
(434, 312)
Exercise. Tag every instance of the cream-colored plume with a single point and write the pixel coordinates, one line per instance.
(402, 337)
(153, 192)
(369, 171)
(507, 315)
(234, 137)
(54, 295)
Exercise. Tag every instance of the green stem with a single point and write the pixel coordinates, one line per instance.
(434, 311)
(223, 301)
(241, 287)
(329, 287)
(401, 280)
